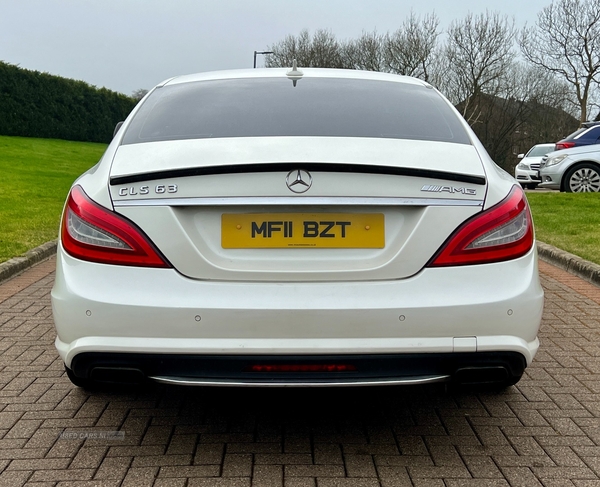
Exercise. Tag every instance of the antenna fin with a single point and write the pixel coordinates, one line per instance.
(294, 74)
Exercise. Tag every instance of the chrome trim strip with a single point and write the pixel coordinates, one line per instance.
(297, 201)
(352, 383)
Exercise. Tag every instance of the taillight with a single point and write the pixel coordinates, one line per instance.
(563, 145)
(93, 233)
(501, 233)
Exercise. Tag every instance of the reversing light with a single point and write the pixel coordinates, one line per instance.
(501, 233)
(93, 233)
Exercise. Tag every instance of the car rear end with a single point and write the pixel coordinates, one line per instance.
(338, 228)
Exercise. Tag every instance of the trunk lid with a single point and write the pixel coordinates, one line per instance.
(224, 209)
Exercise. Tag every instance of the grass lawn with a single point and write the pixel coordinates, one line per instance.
(36, 176)
(569, 221)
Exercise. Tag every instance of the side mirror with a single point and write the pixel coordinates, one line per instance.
(520, 156)
(117, 127)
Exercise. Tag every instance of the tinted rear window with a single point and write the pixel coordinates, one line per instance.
(263, 107)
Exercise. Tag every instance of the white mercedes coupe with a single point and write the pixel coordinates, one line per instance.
(296, 227)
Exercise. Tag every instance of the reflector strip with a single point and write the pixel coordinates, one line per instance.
(302, 368)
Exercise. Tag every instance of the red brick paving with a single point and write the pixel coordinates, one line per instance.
(25, 279)
(575, 283)
(543, 432)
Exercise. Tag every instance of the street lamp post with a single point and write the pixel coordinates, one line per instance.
(260, 52)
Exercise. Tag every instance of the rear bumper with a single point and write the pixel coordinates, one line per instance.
(107, 311)
(300, 370)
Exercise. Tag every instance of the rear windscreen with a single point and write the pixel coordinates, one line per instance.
(271, 107)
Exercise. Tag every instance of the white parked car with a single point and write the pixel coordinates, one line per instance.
(527, 171)
(295, 227)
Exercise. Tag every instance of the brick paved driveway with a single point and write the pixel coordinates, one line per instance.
(543, 432)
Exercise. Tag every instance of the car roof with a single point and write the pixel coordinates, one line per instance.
(589, 124)
(283, 72)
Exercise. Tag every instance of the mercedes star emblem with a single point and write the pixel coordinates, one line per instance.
(298, 180)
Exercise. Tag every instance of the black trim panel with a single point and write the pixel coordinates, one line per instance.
(288, 166)
(472, 367)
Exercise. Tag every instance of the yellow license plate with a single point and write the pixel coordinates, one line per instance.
(283, 230)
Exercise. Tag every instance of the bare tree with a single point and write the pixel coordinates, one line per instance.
(290, 48)
(322, 50)
(478, 53)
(410, 50)
(566, 41)
(366, 52)
(526, 110)
(552, 116)
(139, 94)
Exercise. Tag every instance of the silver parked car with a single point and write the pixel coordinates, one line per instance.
(575, 170)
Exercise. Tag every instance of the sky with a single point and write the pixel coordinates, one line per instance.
(126, 45)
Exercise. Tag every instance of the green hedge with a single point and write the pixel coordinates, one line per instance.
(34, 104)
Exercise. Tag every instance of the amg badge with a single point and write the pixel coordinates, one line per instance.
(448, 189)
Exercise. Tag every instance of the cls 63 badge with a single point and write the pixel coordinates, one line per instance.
(146, 189)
